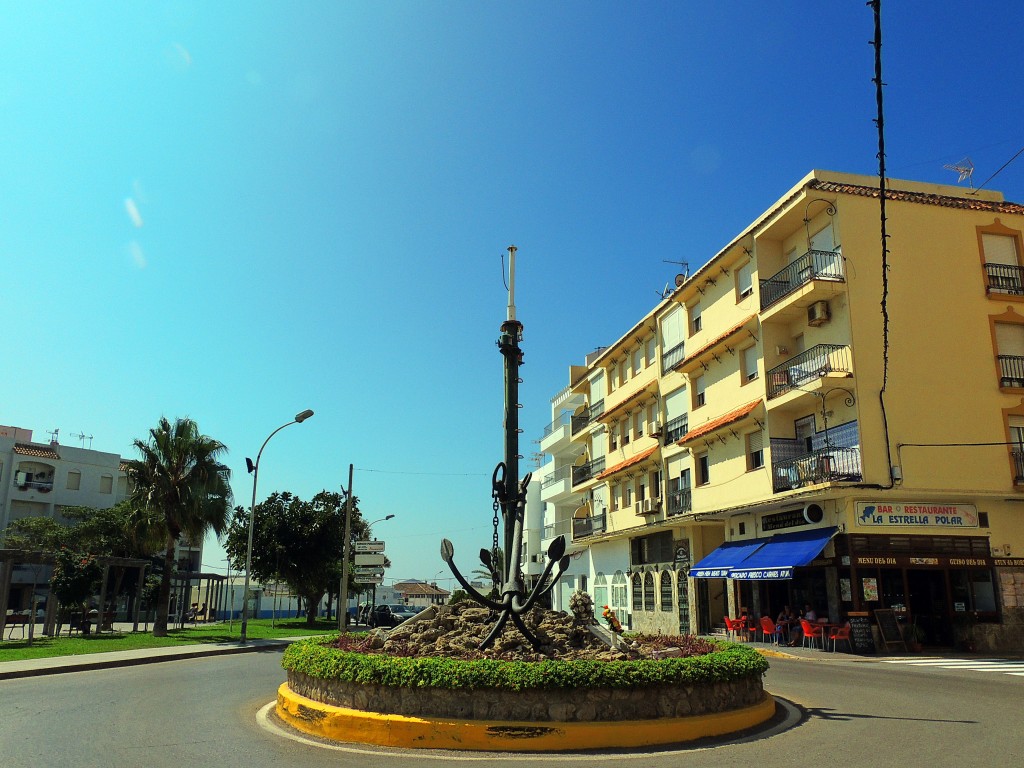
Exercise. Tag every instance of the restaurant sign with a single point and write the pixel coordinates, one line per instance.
(918, 515)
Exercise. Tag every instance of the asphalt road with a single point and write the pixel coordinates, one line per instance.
(203, 712)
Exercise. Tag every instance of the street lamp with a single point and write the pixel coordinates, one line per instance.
(254, 470)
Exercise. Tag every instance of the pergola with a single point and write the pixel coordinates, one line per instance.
(12, 557)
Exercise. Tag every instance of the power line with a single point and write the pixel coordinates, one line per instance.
(433, 474)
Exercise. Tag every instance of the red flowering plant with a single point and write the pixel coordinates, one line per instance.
(613, 622)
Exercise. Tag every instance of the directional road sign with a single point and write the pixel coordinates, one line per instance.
(369, 546)
(369, 559)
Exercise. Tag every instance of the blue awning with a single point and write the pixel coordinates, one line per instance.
(780, 554)
(722, 560)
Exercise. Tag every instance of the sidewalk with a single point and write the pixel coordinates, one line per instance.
(56, 665)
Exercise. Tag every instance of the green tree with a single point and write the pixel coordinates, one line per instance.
(181, 479)
(296, 540)
(493, 569)
(74, 578)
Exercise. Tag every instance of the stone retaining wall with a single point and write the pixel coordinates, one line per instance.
(579, 705)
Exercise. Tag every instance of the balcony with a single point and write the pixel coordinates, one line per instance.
(813, 265)
(670, 358)
(826, 465)
(588, 471)
(557, 484)
(556, 432)
(587, 416)
(1004, 279)
(1018, 465)
(1011, 371)
(808, 367)
(675, 429)
(679, 502)
(588, 526)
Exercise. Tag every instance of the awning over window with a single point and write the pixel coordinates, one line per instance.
(718, 564)
(780, 554)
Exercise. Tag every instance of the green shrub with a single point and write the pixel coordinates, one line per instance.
(316, 658)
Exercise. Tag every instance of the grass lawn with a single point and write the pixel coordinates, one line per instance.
(45, 647)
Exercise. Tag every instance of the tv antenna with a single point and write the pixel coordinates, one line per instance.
(679, 278)
(83, 437)
(53, 433)
(965, 168)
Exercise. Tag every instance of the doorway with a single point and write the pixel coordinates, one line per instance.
(928, 601)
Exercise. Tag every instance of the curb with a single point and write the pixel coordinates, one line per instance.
(340, 724)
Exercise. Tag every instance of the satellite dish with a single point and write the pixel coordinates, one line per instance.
(680, 279)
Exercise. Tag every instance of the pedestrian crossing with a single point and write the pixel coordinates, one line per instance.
(1003, 666)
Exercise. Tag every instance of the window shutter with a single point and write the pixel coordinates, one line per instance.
(1010, 339)
(999, 249)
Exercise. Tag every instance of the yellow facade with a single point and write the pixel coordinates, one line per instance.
(769, 380)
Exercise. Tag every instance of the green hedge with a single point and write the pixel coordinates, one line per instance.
(316, 658)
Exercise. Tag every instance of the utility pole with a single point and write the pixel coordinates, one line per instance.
(343, 587)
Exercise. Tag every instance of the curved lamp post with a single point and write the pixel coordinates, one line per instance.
(369, 533)
(254, 470)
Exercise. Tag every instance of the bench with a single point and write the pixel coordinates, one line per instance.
(17, 621)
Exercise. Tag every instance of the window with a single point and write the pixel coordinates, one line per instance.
(804, 429)
(638, 360)
(613, 436)
(619, 590)
(107, 484)
(703, 468)
(651, 351)
(666, 592)
(695, 324)
(623, 372)
(649, 591)
(745, 280)
(600, 590)
(748, 359)
(624, 427)
(615, 497)
(638, 424)
(1010, 350)
(74, 480)
(627, 495)
(698, 392)
(638, 593)
(999, 249)
(755, 450)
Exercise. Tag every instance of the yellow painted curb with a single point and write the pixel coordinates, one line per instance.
(352, 725)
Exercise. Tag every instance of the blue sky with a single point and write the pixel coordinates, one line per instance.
(236, 211)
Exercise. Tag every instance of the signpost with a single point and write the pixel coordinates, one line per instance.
(363, 547)
(370, 560)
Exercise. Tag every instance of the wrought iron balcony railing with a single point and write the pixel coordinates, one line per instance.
(671, 357)
(1004, 278)
(1018, 464)
(1011, 371)
(813, 265)
(588, 526)
(827, 465)
(679, 502)
(817, 361)
(585, 472)
(676, 428)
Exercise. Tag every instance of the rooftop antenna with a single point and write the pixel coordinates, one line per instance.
(83, 437)
(53, 435)
(681, 277)
(965, 168)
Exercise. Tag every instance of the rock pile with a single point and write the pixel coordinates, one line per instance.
(456, 631)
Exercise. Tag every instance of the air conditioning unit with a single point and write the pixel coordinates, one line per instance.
(536, 558)
(654, 429)
(817, 313)
(638, 507)
(654, 505)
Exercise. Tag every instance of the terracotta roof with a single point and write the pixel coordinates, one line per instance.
(730, 418)
(947, 201)
(627, 463)
(715, 342)
(649, 389)
(123, 466)
(419, 588)
(39, 451)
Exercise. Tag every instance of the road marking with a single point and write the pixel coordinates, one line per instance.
(1002, 666)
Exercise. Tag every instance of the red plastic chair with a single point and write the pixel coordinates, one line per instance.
(770, 629)
(734, 626)
(812, 632)
(840, 633)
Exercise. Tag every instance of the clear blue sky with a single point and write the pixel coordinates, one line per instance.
(235, 211)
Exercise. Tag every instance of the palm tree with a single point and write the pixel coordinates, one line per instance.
(181, 478)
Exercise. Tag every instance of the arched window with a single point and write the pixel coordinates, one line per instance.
(638, 592)
(600, 592)
(666, 592)
(649, 591)
(619, 596)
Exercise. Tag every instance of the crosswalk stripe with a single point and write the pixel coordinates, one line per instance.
(999, 666)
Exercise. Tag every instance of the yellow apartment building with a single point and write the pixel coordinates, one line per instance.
(794, 424)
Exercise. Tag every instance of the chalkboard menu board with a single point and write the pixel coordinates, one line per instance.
(888, 628)
(861, 638)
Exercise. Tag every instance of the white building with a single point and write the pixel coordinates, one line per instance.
(42, 479)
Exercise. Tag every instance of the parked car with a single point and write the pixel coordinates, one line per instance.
(391, 615)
